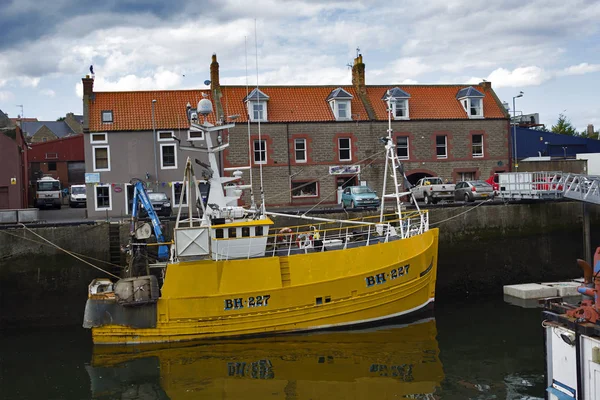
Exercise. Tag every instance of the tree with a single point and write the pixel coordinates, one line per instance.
(563, 126)
(60, 119)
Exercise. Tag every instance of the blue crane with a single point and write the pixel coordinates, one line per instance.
(141, 196)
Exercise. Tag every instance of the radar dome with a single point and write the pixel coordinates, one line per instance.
(205, 107)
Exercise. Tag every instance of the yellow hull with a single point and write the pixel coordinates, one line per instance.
(214, 299)
(390, 362)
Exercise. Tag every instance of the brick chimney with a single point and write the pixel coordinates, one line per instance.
(486, 85)
(88, 96)
(358, 81)
(590, 130)
(215, 88)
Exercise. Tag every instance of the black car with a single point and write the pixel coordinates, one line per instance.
(161, 204)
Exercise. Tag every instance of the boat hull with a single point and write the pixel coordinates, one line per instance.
(301, 292)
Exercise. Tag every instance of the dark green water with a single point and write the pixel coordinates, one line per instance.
(481, 349)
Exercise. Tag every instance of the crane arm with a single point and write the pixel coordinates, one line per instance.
(141, 196)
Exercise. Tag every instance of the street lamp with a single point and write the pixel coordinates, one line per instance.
(515, 128)
(154, 141)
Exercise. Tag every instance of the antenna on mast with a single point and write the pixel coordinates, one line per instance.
(262, 191)
(252, 202)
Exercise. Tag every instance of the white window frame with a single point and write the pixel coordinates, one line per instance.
(395, 107)
(305, 196)
(335, 107)
(407, 157)
(254, 151)
(127, 198)
(169, 139)
(110, 200)
(477, 155)
(104, 141)
(174, 198)
(349, 148)
(94, 148)
(112, 116)
(192, 139)
(445, 146)
(466, 103)
(463, 177)
(251, 111)
(162, 146)
(305, 150)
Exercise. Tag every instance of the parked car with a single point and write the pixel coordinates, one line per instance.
(161, 204)
(431, 190)
(77, 196)
(360, 196)
(473, 190)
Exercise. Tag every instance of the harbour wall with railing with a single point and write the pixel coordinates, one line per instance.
(481, 248)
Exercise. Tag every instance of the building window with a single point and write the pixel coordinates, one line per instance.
(168, 156)
(475, 108)
(258, 111)
(341, 109)
(177, 188)
(477, 145)
(260, 152)
(195, 135)
(52, 166)
(302, 189)
(345, 149)
(102, 197)
(44, 139)
(101, 158)
(402, 147)
(300, 150)
(400, 109)
(164, 136)
(441, 146)
(107, 117)
(466, 176)
(98, 138)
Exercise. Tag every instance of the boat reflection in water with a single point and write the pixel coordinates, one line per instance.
(385, 362)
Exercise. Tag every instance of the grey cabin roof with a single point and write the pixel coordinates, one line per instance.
(59, 128)
(396, 93)
(256, 95)
(339, 93)
(468, 92)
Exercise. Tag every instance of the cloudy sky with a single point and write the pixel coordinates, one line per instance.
(548, 49)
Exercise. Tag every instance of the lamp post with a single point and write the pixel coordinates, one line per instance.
(154, 142)
(515, 129)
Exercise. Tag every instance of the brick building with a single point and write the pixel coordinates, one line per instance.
(13, 165)
(63, 159)
(45, 131)
(314, 139)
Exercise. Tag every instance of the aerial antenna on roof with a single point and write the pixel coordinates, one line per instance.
(357, 51)
(349, 66)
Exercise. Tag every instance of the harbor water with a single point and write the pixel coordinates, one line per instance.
(482, 348)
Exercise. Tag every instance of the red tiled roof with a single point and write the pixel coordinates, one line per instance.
(433, 102)
(133, 110)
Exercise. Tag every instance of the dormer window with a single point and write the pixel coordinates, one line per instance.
(340, 104)
(107, 117)
(472, 101)
(256, 102)
(398, 102)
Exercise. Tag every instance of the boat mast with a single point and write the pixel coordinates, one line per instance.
(391, 158)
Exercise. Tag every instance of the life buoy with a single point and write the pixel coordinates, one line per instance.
(285, 235)
(304, 240)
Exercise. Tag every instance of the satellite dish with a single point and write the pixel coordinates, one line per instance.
(205, 107)
(207, 82)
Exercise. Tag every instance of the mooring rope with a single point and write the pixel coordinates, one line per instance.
(458, 215)
(70, 253)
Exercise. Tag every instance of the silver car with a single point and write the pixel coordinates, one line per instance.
(473, 190)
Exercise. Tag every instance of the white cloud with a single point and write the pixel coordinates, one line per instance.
(29, 82)
(534, 75)
(160, 80)
(583, 68)
(6, 95)
(48, 92)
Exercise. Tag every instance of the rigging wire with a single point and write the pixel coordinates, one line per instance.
(262, 191)
(69, 253)
(462, 213)
(252, 202)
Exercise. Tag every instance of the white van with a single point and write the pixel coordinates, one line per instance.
(77, 196)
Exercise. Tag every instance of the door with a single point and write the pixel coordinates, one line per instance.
(4, 197)
(76, 172)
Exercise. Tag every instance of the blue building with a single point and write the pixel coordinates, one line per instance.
(532, 143)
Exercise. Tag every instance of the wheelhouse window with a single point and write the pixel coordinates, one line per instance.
(402, 147)
(101, 158)
(345, 149)
(301, 189)
(260, 152)
(195, 135)
(168, 156)
(477, 146)
(441, 146)
(300, 150)
(102, 197)
(107, 117)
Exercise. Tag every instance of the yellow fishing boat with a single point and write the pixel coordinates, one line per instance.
(230, 273)
(389, 362)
